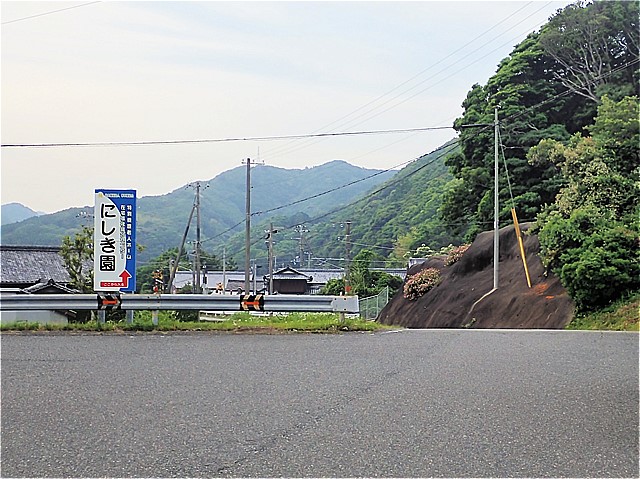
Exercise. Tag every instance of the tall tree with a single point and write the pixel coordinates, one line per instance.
(592, 44)
(77, 254)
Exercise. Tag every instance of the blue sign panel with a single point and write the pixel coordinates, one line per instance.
(114, 240)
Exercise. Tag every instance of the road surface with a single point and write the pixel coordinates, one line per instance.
(415, 403)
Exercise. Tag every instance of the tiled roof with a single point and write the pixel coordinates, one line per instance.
(31, 264)
(49, 287)
(289, 273)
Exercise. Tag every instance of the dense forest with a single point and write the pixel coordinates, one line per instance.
(567, 100)
(548, 88)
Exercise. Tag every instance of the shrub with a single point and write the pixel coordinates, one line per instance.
(421, 282)
(602, 270)
(455, 254)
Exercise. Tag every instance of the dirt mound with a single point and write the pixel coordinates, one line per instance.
(456, 301)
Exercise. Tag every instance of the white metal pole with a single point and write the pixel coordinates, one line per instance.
(496, 211)
(247, 233)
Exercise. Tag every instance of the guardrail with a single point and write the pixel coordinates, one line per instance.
(214, 302)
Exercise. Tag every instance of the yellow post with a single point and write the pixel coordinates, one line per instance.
(521, 244)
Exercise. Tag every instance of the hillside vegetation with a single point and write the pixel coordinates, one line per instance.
(14, 212)
(392, 219)
(567, 99)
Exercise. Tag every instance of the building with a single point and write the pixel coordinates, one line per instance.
(34, 270)
(289, 281)
(24, 266)
(285, 280)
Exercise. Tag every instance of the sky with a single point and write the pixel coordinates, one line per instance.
(149, 71)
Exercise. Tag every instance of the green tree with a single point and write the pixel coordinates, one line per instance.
(364, 281)
(592, 44)
(77, 254)
(589, 236)
(334, 287)
(529, 88)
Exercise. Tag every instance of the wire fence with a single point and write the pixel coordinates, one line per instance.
(370, 307)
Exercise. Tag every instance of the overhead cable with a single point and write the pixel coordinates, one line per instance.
(222, 140)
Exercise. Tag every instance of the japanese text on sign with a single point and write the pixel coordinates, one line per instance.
(114, 240)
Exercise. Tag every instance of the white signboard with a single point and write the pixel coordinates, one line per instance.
(114, 240)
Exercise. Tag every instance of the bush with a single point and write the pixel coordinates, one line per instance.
(455, 254)
(421, 282)
(602, 270)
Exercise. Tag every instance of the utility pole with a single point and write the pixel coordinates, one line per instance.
(300, 229)
(247, 231)
(496, 210)
(347, 275)
(176, 263)
(224, 270)
(496, 206)
(198, 288)
(270, 238)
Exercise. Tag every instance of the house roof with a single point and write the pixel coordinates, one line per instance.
(322, 276)
(48, 287)
(290, 274)
(31, 264)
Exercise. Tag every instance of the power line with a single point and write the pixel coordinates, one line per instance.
(340, 123)
(447, 147)
(48, 13)
(222, 140)
(331, 190)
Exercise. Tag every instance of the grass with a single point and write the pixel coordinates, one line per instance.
(623, 315)
(239, 322)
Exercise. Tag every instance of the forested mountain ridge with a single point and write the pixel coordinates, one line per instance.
(398, 216)
(392, 218)
(162, 219)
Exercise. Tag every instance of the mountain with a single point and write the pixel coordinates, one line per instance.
(397, 216)
(14, 212)
(390, 219)
(162, 219)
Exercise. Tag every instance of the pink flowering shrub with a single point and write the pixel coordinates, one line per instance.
(455, 254)
(421, 282)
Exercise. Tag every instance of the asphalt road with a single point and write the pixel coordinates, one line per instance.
(445, 403)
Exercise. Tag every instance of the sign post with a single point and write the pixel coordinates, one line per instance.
(114, 241)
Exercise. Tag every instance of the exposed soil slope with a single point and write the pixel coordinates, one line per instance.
(513, 305)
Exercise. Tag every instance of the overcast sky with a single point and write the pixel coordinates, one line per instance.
(166, 71)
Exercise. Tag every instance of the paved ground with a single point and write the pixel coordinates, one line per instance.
(415, 403)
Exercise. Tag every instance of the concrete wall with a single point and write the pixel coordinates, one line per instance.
(42, 317)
